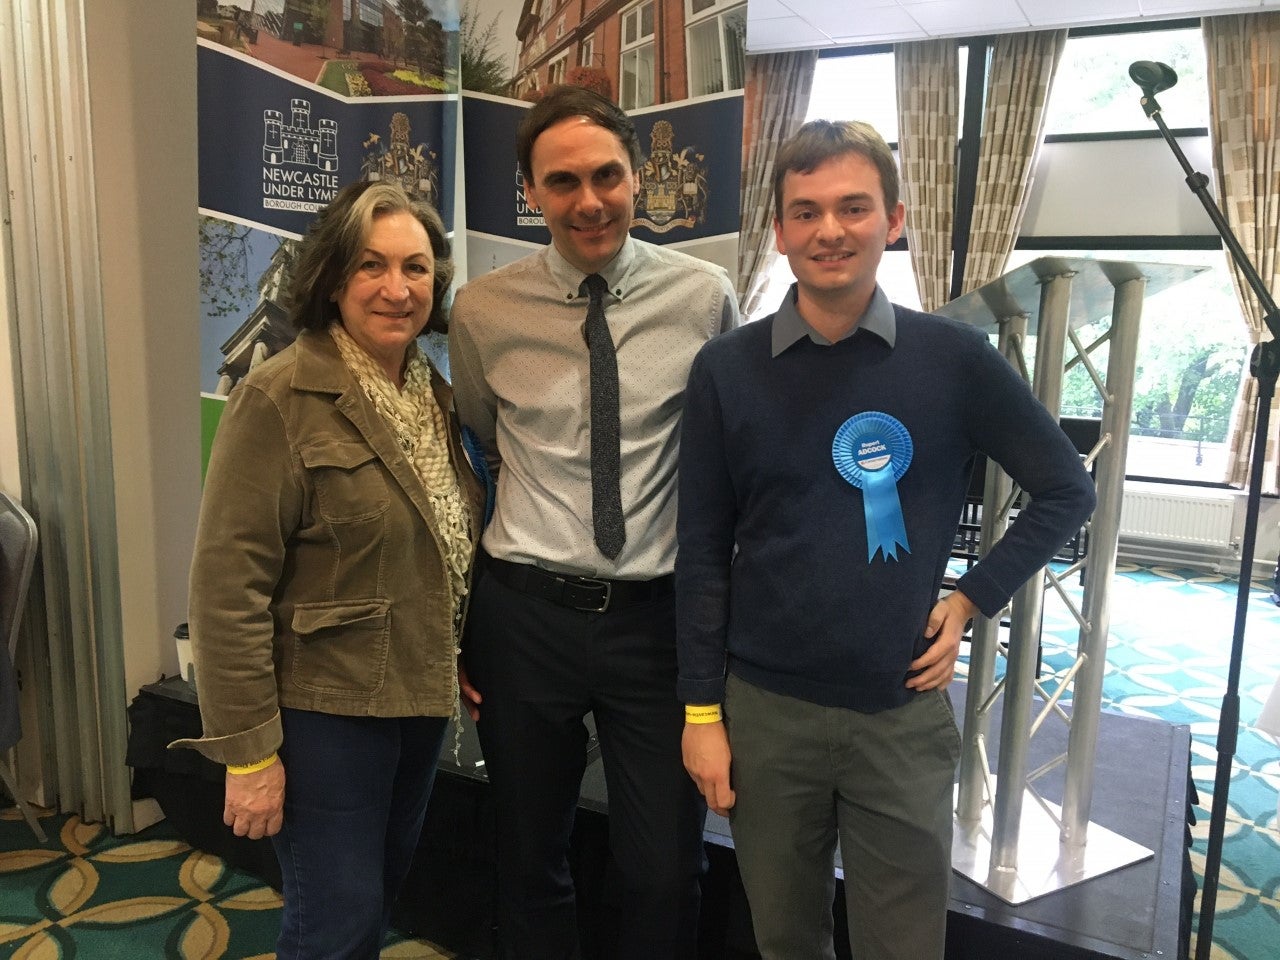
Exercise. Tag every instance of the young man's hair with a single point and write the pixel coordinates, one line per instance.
(563, 102)
(821, 140)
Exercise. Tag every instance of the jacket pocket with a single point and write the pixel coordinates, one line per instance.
(340, 646)
(347, 478)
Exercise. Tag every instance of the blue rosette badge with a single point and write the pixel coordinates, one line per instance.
(872, 451)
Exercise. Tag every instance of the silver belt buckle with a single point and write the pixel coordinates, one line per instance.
(608, 594)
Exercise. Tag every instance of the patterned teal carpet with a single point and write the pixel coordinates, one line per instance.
(92, 896)
(1167, 658)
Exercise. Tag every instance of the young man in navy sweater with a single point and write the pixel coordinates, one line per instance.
(824, 458)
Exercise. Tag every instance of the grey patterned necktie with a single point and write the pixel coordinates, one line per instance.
(606, 459)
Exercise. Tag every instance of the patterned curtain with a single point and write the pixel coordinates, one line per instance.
(928, 81)
(1018, 81)
(775, 102)
(1244, 102)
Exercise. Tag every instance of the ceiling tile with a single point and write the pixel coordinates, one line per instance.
(783, 33)
(1054, 12)
(941, 17)
(825, 23)
(832, 20)
(1155, 8)
(768, 10)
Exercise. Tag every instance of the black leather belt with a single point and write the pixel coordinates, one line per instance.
(589, 594)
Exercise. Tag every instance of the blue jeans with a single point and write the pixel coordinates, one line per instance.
(356, 791)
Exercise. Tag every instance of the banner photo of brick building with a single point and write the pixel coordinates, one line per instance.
(295, 99)
(677, 66)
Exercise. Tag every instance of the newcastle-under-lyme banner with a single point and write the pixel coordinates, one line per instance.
(297, 98)
(688, 181)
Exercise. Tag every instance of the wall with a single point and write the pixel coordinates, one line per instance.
(142, 87)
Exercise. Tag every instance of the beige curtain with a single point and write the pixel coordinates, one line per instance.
(774, 105)
(1244, 98)
(928, 82)
(1018, 81)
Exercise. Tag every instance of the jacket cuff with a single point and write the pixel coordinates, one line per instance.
(240, 749)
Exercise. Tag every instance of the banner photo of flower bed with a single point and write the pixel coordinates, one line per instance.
(295, 99)
(355, 48)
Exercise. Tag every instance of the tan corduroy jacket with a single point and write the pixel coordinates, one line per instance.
(318, 580)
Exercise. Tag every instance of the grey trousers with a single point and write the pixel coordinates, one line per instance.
(881, 783)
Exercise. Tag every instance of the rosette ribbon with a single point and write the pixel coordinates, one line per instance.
(872, 451)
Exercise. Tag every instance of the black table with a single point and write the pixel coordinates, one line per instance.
(1141, 791)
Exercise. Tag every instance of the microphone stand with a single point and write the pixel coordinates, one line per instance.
(1264, 364)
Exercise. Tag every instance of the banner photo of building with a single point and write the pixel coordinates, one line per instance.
(295, 99)
(689, 180)
(676, 66)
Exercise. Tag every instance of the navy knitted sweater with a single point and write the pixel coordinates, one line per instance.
(772, 577)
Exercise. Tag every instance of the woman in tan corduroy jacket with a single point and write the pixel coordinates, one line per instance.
(332, 563)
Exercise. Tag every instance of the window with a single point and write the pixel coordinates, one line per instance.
(1092, 92)
(560, 28)
(715, 48)
(555, 70)
(1192, 349)
(587, 55)
(1193, 345)
(856, 87)
(637, 57)
(863, 86)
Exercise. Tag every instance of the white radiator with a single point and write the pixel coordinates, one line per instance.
(1200, 520)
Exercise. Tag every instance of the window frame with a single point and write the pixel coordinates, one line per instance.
(560, 66)
(636, 12)
(716, 12)
(633, 50)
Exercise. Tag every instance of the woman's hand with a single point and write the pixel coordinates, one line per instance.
(255, 802)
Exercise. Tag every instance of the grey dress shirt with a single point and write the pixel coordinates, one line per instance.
(521, 381)
(789, 326)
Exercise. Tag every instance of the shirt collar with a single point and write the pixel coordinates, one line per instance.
(569, 278)
(789, 326)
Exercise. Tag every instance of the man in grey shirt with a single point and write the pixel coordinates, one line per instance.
(573, 607)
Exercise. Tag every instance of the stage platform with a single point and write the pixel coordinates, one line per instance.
(1140, 912)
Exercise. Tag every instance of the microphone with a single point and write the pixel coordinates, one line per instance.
(1151, 76)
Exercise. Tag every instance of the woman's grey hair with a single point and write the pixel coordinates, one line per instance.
(330, 252)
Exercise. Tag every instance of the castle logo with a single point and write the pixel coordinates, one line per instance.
(526, 216)
(416, 168)
(673, 186)
(299, 162)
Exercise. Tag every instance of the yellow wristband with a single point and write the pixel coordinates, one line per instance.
(702, 714)
(253, 767)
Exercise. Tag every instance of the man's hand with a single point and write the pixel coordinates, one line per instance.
(470, 695)
(706, 756)
(255, 802)
(937, 665)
